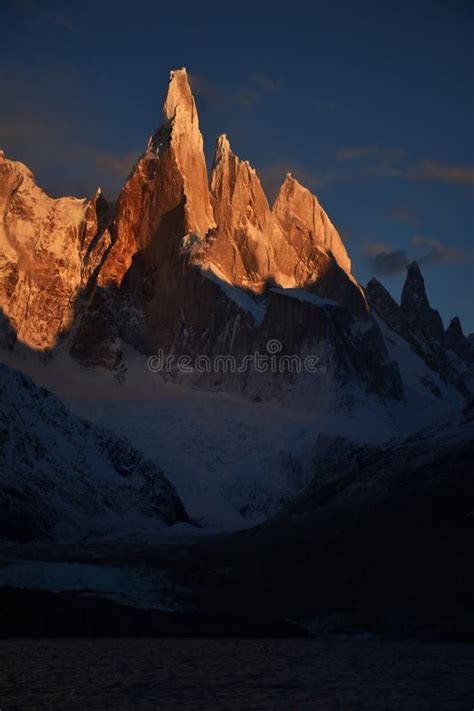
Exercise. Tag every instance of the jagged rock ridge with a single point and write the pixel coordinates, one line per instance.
(457, 342)
(293, 245)
(421, 326)
(50, 251)
(227, 277)
(191, 267)
(165, 203)
(416, 307)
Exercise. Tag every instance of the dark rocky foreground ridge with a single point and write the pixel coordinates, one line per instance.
(379, 543)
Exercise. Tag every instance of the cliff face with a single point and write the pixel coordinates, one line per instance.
(422, 328)
(191, 265)
(196, 268)
(50, 250)
(294, 245)
(165, 205)
(458, 343)
(305, 224)
(240, 250)
(163, 212)
(416, 307)
(323, 265)
(168, 225)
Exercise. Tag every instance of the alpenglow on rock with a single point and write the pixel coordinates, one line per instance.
(167, 220)
(192, 267)
(165, 203)
(180, 244)
(50, 250)
(247, 244)
(305, 223)
(293, 245)
(166, 207)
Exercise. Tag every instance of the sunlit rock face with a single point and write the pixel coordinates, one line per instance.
(293, 245)
(245, 247)
(50, 250)
(305, 224)
(323, 265)
(192, 267)
(146, 283)
(181, 135)
(165, 204)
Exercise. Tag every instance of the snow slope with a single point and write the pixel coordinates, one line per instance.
(233, 462)
(427, 396)
(64, 478)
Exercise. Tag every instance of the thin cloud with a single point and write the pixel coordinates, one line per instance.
(385, 169)
(201, 86)
(248, 94)
(402, 213)
(437, 251)
(243, 97)
(64, 156)
(119, 166)
(263, 81)
(45, 138)
(376, 154)
(386, 261)
(15, 127)
(396, 162)
(38, 128)
(374, 248)
(443, 172)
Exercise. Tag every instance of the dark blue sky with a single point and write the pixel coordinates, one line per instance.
(369, 104)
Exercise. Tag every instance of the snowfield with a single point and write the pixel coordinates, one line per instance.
(233, 462)
(64, 479)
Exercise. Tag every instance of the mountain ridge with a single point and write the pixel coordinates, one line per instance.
(184, 263)
(63, 478)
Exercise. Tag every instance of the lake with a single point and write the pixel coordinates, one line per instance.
(195, 674)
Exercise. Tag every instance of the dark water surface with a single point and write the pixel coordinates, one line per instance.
(235, 674)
